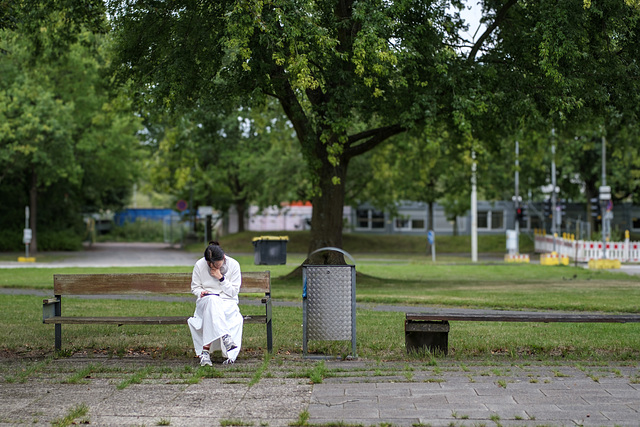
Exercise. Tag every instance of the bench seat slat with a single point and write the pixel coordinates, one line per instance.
(528, 317)
(151, 320)
(145, 283)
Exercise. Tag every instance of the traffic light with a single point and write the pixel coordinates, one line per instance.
(519, 213)
(548, 214)
(596, 212)
(561, 209)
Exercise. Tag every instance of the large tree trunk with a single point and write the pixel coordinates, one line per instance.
(33, 212)
(241, 209)
(430, 221)
(327, 215)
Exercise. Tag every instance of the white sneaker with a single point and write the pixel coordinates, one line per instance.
(228, 343)
(228, 362)
(205, 359)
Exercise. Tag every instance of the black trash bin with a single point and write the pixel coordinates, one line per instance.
(270, 250)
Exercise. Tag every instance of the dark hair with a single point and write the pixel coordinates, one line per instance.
(213, 252)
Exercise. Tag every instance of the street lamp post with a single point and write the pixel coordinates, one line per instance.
(605, 197)
(474, 210)
(553, 189)
(517, 199)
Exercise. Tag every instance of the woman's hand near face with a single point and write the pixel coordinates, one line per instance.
(214, 269)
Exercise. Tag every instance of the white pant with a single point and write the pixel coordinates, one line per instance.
(213, 318)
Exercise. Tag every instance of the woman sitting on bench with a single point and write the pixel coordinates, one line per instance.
(217, 322)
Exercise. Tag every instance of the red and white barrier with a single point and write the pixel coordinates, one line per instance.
(523, 258)
(586, 250)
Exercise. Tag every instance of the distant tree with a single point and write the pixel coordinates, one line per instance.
(61, 123)
(234, 159)
(456, 194)
(571, 68)
(413, 168)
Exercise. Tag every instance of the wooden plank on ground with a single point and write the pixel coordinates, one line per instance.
(511, 316)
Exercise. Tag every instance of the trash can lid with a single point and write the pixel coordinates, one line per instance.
(255, 239)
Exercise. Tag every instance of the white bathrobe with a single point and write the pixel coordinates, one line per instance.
(216, 315)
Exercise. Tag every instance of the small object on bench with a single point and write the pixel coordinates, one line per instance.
(142, 284)
(431, 330)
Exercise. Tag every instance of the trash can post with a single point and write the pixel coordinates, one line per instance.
(304, 311)
(353, 311)
(270, 250)
(329, 303)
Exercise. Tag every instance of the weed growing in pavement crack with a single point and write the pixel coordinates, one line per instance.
(81, 376)
(136, 378)
(303, 420)
(557, 373)
(235, 423)
(263, 367)
(316, 374)
(24, 375)
(79, 411)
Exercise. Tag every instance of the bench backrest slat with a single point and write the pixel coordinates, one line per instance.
(142, 283)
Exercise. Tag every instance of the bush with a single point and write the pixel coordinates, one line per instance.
(59, 240)
(138, 231)
(11, 240)
(48, 240)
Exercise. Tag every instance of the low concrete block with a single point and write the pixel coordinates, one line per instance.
(431, 335)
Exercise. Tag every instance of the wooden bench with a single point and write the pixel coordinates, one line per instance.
(142, 284)
(431, 330)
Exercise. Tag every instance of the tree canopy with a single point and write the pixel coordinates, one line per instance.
(350, 75)
(230, 159)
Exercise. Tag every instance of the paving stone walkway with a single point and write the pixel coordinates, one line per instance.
(141, 390)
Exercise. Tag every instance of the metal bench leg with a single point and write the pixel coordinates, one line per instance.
(269, 326)
(58, 328)
(269, 337)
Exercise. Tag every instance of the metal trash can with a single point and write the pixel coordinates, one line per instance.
(270, 250)
(329, 302)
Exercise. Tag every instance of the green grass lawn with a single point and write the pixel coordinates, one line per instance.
(359, 243)
(382, 279)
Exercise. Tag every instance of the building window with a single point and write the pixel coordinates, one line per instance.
(403, 224)
(409, 224)
(362, 216)
(497, 220)
(483, 219)
(369, 219)
(491, 220)
(377, 219)
(417, 224)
